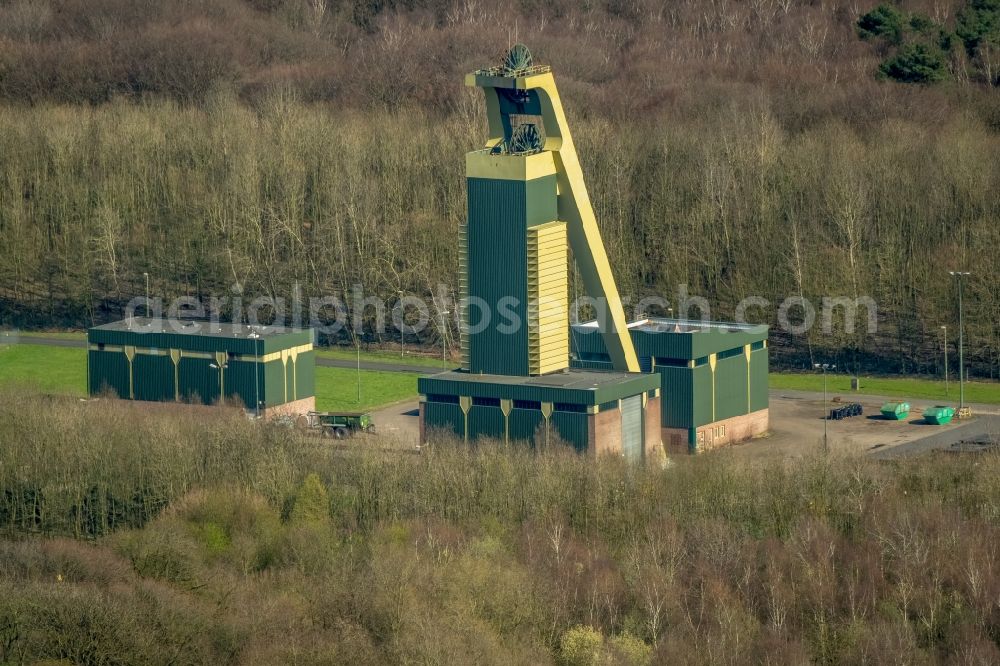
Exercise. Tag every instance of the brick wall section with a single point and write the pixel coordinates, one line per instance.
(652, 437)
(605, 433)
(291, 408)
(423, 426)
(717, 434)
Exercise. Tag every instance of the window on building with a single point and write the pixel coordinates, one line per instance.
(527, 404)
(486, 402)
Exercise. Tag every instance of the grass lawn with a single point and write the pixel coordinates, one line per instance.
(383, 356)
(45, 369)
(337, 389)
(920, 389)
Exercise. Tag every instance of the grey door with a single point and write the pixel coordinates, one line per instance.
(632, 428)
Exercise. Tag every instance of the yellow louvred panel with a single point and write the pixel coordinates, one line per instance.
(548, 298)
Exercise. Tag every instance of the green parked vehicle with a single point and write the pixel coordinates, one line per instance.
(339, 425)
(939, 414)
(895, 411)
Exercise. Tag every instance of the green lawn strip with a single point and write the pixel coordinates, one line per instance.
(920, 389)
(337, 389)
(45, 369)
(380, 356)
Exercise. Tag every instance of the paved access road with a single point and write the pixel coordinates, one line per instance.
(981, 428)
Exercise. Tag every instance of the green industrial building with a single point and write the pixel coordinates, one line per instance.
(272, 368)
(713, 377)
(527, 208)
(594, 411)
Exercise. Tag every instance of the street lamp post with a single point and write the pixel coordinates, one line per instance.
(222, 382)
(444, 336)
(826, 411)
(402, 323)
(944, 333)
(256, 369)
(961, 341)
(146, 275)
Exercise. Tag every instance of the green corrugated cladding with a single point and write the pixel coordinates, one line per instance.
(500, 212)
(107, 372)
(686, 393)
(572, 428)
(523, 423)
(603, 393)
(201, 342)
(274, 383)
(677, 411)
(485, 422)
(731, 384)
(153, 378)
(683, 346)
(758, 379)
(445, 417)
(240, 380)
(306, 377)
(198, 381)
(701, 396)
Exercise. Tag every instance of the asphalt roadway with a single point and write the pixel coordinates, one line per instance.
(985, 426)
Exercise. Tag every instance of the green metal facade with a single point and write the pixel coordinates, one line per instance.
(500, 213)
(692, 394)
(571, 405)
(168, 366)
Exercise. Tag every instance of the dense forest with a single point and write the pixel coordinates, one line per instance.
(768, 148)
(128, 536)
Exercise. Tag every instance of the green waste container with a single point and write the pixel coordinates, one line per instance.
(895, 411)
(939, 414)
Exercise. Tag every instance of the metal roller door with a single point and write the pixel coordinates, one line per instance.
(632, 428)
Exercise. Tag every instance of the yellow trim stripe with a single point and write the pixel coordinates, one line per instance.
(183, 353)
(481, 164)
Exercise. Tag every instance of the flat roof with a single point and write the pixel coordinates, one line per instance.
(576, 386)
(141, 325)
(683, 326)
(574, 378)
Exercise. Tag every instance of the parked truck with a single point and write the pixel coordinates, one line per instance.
(339, 425)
